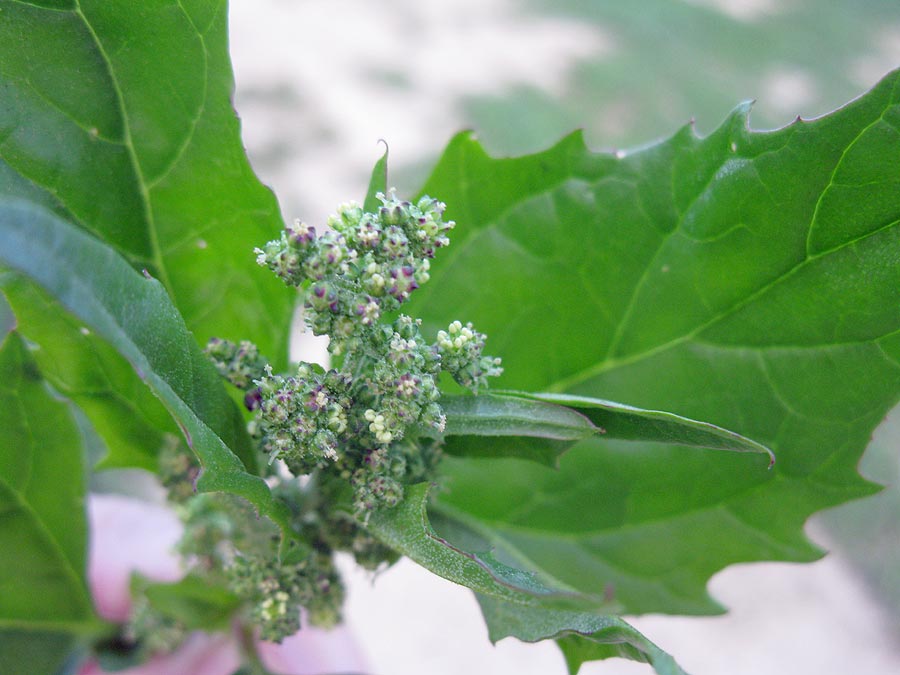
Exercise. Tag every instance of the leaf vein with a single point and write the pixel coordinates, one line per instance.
(604, 366)
(189, 136)
(132, 152)
(23, 506)
(831, 182)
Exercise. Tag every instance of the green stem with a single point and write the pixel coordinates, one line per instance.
(249, 654)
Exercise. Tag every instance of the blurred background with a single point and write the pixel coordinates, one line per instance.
(319, 83)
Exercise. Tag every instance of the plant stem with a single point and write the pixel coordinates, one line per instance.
(247, 646)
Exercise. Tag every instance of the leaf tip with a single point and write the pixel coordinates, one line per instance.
(465, 136)
(465, 141)
(577, 138)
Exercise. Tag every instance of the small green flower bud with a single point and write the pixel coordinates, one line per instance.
(239, 363)
(460, 350)
(275, 592)
(154, 632)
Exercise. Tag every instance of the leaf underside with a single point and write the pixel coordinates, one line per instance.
(408, 530)
(515, 600)
(581, 636)
(541, 427)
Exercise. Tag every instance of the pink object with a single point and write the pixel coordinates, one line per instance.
(201, 654)
(314, 651)
(129, 535)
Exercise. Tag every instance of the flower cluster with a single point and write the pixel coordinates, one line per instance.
(240, 363)
(151, 630)
(302, 418)
(275, 591)
(460, 349)
(349, 420)
(361, 431)
(398, 369)
(365, 265)
(226, 542)
(312, 415)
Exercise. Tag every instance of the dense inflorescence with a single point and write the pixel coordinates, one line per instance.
(152, 631)
(460, 350)
(352, 420)
(364, 266)
(275, 591)
(240, 363)
(360, 431)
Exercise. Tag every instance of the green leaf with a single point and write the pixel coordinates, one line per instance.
(132, 422)
(406, 528)
(118, 116)
(377, 183)
(748, 279)
(581, 636)
(496, 425)
(504, 426)
(514, 601)
(45, 606)
(193, 601)
(7, 318)
(134, 314)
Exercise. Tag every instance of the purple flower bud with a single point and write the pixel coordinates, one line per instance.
(299, 236)
(253, 399)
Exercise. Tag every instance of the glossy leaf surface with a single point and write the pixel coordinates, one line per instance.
(543, 426)
(144, 152)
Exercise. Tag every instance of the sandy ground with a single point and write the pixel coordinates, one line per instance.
(318, 84)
